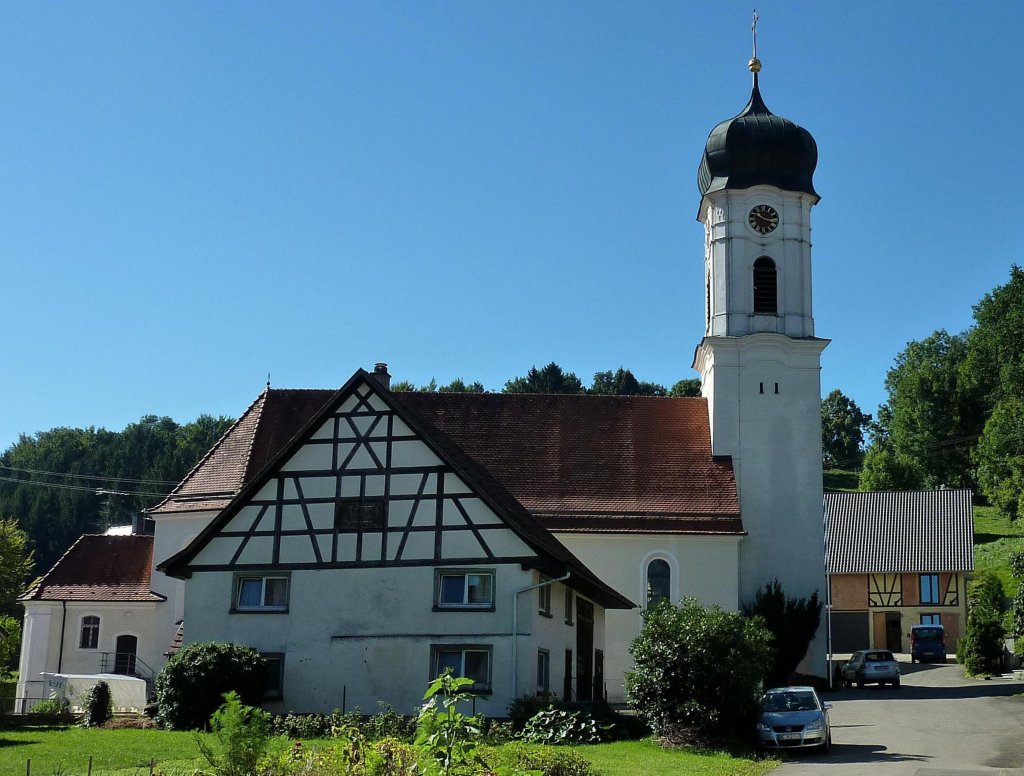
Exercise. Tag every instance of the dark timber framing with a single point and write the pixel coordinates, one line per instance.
(361, 425)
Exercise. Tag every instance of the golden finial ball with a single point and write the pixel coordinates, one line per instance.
(754, 65)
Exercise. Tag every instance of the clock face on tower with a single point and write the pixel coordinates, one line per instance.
(763, 219)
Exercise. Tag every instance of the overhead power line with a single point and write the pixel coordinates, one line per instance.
(96, 477)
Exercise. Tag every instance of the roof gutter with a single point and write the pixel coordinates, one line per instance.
(515, 623)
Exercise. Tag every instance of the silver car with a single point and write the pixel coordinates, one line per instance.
(872, 666)
(794, 718)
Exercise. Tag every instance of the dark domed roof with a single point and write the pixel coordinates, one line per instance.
(758, 147)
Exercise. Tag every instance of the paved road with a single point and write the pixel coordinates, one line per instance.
(936, 724)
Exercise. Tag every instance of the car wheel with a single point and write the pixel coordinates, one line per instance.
(827, 746)
(860, 680)
(896, 682)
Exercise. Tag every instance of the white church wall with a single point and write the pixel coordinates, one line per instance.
(704, 567)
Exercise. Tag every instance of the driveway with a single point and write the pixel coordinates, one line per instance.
(937, 723)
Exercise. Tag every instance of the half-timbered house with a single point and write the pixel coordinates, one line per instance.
(897, 559)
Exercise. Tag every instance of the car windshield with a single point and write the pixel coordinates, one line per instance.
(878, 657)
(791, 700)
(928, 634)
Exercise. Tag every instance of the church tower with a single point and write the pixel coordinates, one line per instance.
(759, 360)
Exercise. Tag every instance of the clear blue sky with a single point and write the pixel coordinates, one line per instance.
(194, 194)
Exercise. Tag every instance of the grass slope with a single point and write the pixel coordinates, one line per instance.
(842, 480)
(996, 537)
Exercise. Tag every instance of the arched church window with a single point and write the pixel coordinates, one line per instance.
(766, 296)
(659, 577)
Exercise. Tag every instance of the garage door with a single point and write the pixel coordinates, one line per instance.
(849, 631)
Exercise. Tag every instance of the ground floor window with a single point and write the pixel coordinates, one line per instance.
(470, 661)
(274, 690)
(930, 619)
(543, 671)
(90, 636)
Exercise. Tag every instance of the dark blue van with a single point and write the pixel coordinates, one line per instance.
(927, 642)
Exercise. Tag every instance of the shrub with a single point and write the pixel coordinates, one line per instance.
(53, 707)
(522, 709)
(558, 726)
(792, 621)
(1017, 607)
(699, 671)
(980, 649)
(242, 733)
(98, 705)
(190, 687)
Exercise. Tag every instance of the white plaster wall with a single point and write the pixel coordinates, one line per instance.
(41, 644)
(775, 443)
(703, 567)
(359, 636)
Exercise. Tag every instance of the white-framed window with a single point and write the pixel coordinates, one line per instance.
(544, 598)
(931, 619)
(659, 581)
(543, 672)
(472, 661)
(255, 593)
(274, 689)
(89, 636)
(464, 589)
(569, 595)
(929, 588)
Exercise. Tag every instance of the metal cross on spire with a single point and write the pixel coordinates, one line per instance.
(755, 64)
(753, 30)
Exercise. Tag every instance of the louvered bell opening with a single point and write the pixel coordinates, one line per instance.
(765, 287)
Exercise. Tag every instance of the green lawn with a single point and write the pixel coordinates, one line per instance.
(129, 753)
(120, 752)
(995, 539)
(629, 758)
(841, 479)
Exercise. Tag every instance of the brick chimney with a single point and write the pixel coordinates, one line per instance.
(380, 374)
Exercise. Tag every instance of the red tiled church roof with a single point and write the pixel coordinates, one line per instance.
(590, 463)
(100, 568)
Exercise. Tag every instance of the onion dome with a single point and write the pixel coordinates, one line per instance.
(758, 147)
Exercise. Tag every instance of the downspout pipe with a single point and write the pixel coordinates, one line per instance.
(515, 623)
(63, 624)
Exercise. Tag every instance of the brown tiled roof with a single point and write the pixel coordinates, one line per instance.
(580, 463)
(262, 431)
(916, 531)
(627, 463)
(100, 568)
(178, 641)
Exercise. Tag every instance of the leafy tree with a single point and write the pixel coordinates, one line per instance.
(687, 387)
(699, 671)
(10, 640)
(144, 460)
(884, 469)
(16, 564)
(931, 418)
(548, 379)
(458, 386)
(842, 430)
(190, 686)
(980, 649)
(402, 386)
(792, 621)
(1000, 457)
(621, 382)
(994, 366)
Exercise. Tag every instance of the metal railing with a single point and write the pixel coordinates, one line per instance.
(128, 664)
